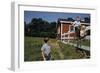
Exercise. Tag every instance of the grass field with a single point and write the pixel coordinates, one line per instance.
(84, 42)
(59, 51)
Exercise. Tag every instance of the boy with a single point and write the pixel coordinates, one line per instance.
(77, 25)
(46, 50)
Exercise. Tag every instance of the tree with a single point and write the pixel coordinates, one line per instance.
(70, 19)
(41, 28)
(87, 19)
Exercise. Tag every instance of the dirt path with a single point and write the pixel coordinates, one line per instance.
(56, 46)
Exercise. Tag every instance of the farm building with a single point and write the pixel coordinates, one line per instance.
(65, 30)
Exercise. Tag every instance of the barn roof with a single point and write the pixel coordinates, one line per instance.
(72, 22)
(67, 21)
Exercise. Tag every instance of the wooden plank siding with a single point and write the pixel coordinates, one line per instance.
(66, 29)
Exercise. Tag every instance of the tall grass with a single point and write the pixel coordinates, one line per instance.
(59, 51)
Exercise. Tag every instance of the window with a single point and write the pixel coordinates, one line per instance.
(71, 28)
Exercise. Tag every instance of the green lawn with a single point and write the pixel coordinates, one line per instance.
(83, 42)
(59, 51)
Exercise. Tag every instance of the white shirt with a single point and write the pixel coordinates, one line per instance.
(76, 23)
(46, 48)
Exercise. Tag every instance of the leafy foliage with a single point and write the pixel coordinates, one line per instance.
(40, 28)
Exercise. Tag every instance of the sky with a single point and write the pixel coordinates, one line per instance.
(51, 16)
